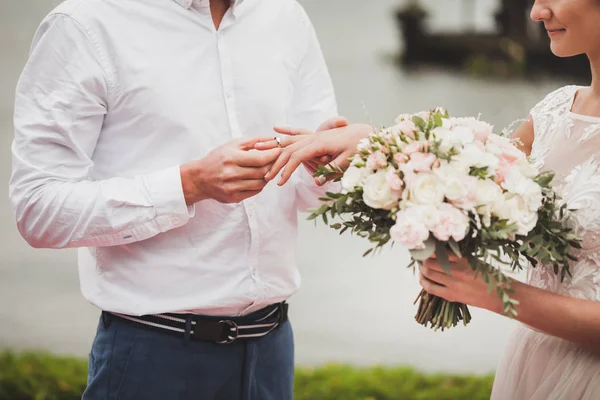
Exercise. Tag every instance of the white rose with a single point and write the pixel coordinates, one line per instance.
(462, 135)
(528, 170)
(515, 182)
(427, 189)
(486, 192)
(353, 177)
(444, 136)
(515, 209)
(475, 156)
(377, 193)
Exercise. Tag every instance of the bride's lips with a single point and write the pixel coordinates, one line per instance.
(555, 32)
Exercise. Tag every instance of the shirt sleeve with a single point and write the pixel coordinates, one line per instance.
(314, 102)
(62, 98)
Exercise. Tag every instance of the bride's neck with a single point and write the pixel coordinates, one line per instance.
(595, 67)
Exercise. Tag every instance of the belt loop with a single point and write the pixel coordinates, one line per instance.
(188, 330)
(106, 319)
(281, 307)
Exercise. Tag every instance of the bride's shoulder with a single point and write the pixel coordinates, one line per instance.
(555, 100)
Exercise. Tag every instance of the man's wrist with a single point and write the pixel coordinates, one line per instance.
(189, 177)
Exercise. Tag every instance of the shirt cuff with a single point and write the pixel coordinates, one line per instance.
(166, 194)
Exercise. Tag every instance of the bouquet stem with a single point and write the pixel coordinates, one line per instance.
(439, 313)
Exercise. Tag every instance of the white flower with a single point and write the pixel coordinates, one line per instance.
(486, 192)
(402, 117)
(409, 230)
(514, 208)
(482, 130)
(426, 189)
(363, 144)
(353, 177)
(377, 193)
(476, 156)
(527, 169)
(515, 182)
(455, 137)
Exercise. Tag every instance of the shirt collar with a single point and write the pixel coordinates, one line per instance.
(188, 3)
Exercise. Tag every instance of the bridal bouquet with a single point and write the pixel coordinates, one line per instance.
(437, 184)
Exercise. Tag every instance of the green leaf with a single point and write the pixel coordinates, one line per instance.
(427, 252)
(366, 253)
(454, 247)
(441, 252)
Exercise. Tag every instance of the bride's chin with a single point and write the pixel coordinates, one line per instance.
(560, 50)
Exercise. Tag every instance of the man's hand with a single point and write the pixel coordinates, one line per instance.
(230, 173)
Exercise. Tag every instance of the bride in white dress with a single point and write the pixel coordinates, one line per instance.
(554, 354)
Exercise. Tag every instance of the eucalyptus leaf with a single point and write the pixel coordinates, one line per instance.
(441, 252)
(427, 252)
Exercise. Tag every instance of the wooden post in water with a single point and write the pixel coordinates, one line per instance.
(469, 14)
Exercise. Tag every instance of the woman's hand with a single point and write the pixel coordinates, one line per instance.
(334, 145)
(461, 286)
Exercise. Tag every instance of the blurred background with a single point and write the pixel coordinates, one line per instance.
(350, 309)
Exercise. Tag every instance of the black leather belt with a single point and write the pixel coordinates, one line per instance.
(222, 330)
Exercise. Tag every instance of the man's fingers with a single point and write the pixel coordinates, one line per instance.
(249, 143)
(255, 158)
(241, 196)
(288, 130)
(250, 185)
(243, 173)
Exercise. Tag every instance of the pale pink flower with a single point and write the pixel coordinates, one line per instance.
(502, 171)
(410, 230)
(421, 162)
(503, 148)
(394, 181)
(414, 147)
(482, 130)
(452, 223)
(408, 128)
(376, 160)
(400, 158)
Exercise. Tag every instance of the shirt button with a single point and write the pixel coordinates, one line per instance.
(175, 220)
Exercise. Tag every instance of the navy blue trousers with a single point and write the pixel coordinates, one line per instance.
(129, 362)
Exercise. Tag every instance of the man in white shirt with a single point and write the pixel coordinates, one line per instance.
(135, 123)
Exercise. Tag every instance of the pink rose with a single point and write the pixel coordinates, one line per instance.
(400, 158)
(502, 171)
(410, 230)
(503, 148)
(376, 160)
(414, 147)
(451, 223)
(421, 162)
(394, 181)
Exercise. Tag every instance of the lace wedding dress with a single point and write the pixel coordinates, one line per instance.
(537, 366)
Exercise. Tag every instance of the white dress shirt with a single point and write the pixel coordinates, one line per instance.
(115, 96)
